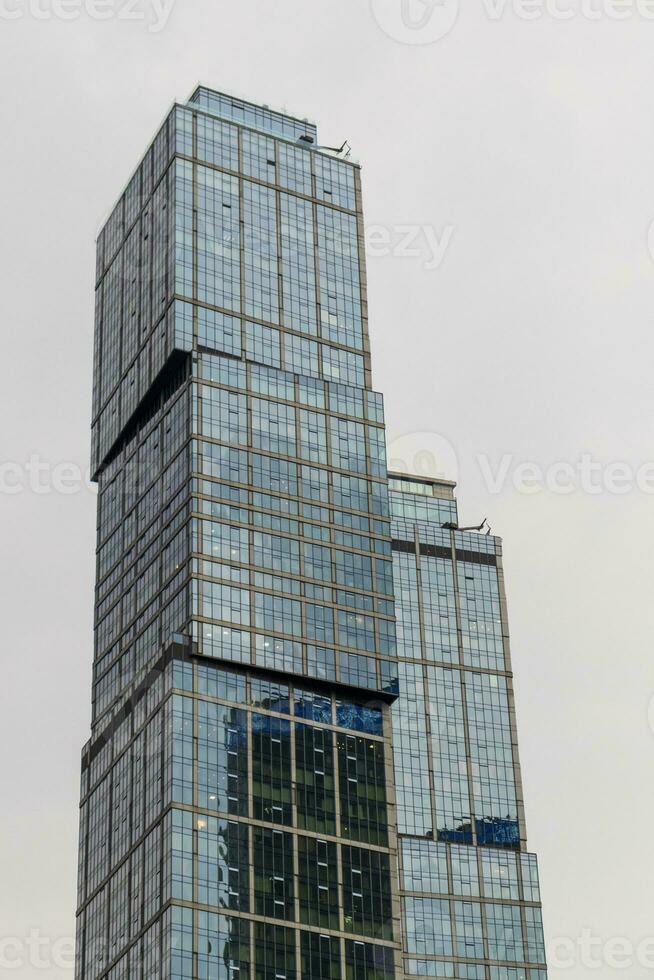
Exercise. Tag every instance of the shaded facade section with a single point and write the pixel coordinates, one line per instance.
(471, 902)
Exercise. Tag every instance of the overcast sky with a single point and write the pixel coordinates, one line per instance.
(518, 155)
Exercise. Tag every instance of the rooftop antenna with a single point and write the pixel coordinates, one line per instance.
(345, 148)
(455, 527)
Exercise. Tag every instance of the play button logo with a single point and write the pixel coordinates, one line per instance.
(416, 21)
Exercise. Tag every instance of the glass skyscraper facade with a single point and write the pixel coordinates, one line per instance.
(470, 892)
(277, 785)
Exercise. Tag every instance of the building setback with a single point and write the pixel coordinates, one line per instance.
(276, 785)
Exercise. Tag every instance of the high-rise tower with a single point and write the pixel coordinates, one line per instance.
(470, 892)
(238, 813)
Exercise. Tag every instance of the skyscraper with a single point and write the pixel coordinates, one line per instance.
(269, 790)
(470, 892)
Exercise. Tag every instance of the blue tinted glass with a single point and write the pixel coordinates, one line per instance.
(390, 680)
(359, 717)
(269, 694)
(502, 833)
(313, 706)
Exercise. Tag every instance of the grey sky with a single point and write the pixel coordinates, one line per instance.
(526, 148)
